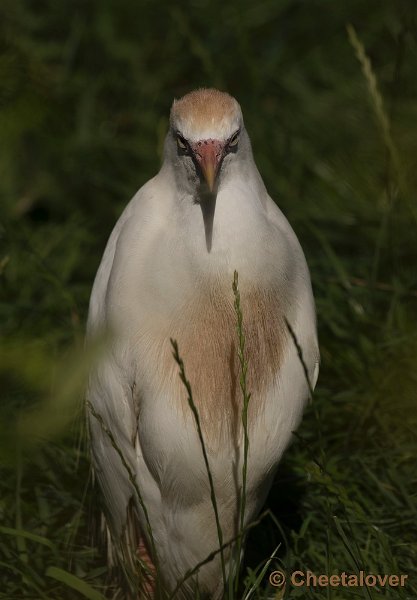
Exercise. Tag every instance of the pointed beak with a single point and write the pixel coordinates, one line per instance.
(209, 155)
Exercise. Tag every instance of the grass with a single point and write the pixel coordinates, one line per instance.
(243, 362)
(84, 97)
(196, 416)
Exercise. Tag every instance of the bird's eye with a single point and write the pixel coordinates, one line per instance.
(182, 144)
(233, 142)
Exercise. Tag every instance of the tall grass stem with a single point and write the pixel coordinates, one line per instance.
(194, 411)
(243, 363)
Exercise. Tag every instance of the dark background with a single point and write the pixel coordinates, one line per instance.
(328, 92)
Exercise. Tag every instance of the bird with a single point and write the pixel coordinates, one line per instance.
(167, 274)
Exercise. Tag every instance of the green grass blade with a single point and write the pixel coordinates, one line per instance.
(28, 536)
(261, 575)
(194, 410)
(74, 582)
(243, 363)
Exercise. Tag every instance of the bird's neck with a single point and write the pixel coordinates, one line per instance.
(225, 232)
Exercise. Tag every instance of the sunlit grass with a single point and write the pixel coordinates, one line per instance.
(83, 108)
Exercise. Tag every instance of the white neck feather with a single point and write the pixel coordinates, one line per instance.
(240, 214)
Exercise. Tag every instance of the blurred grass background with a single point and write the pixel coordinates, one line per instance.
(85, 91)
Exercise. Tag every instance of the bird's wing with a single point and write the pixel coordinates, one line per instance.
(111, 391)
(303, 322)
(96, 312)
(111, 417)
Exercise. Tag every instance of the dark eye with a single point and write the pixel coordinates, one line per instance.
(233, 141)
(181, 143)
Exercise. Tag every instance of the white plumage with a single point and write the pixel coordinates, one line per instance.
(167, 272)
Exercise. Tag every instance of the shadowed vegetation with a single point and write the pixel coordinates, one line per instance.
(329, 97)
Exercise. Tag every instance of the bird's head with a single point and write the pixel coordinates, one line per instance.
(206, 129)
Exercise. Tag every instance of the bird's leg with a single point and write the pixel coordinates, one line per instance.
(149, 575)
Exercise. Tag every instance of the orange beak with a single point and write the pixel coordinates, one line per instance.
(209, 155)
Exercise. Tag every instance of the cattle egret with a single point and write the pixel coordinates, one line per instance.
(167, 272)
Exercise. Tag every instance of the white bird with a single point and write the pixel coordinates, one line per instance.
(167, 272)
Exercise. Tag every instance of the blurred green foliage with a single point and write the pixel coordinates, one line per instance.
(85, 91)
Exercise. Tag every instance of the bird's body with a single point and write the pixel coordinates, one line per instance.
(167, 273)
